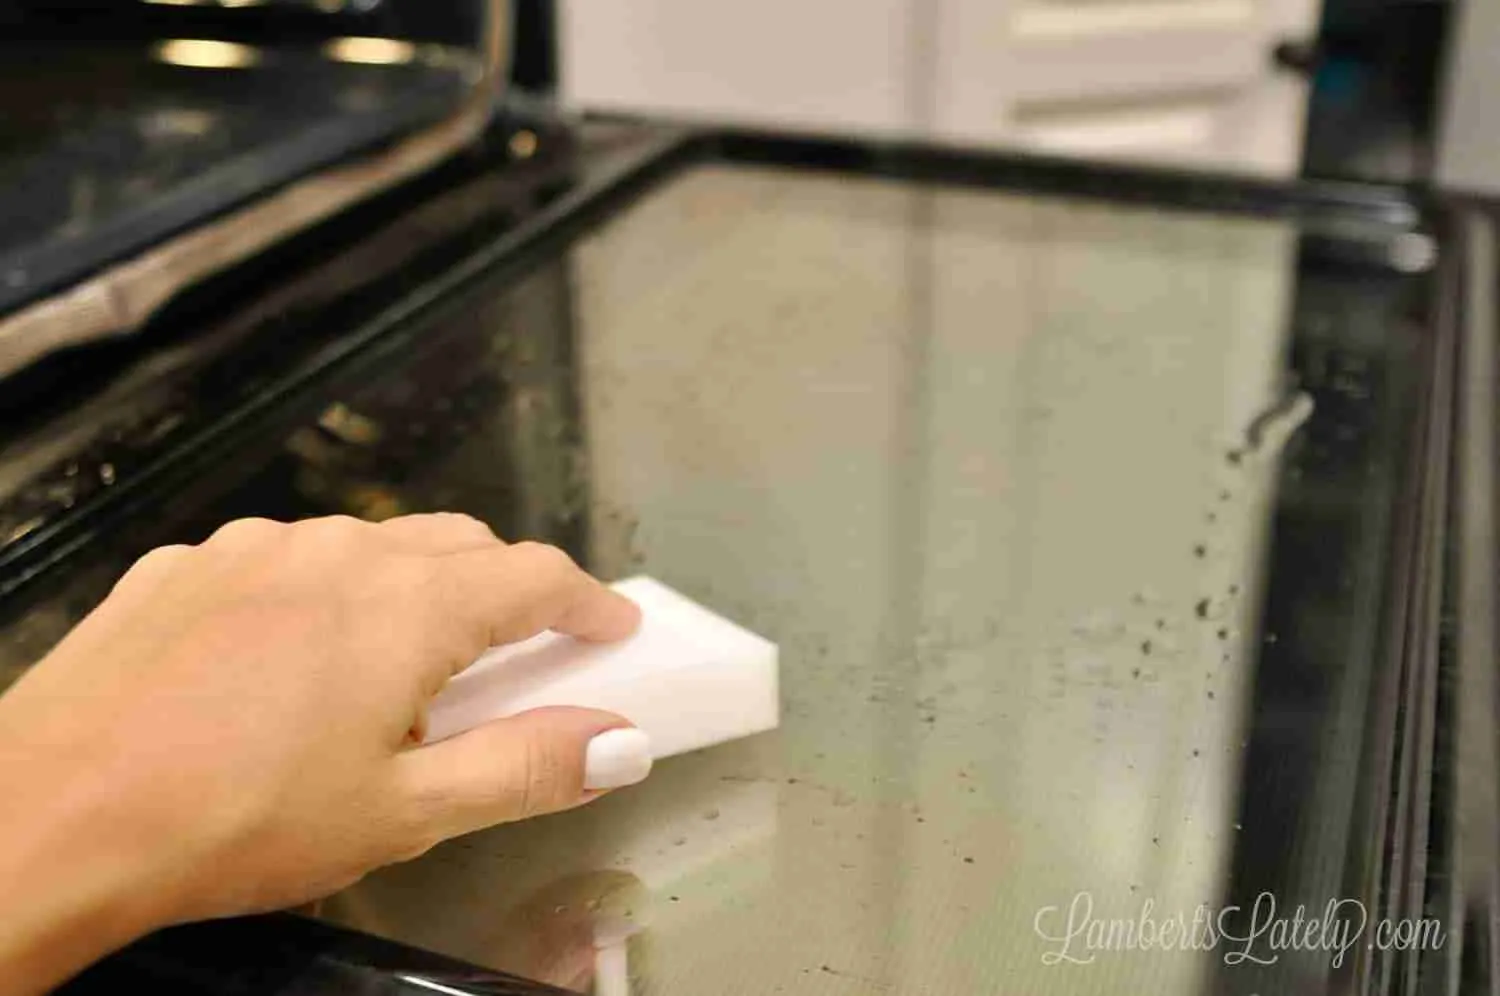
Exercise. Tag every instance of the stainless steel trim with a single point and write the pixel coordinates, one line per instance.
(1477, 823)
(120, 299)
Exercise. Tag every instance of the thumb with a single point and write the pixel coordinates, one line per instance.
(536, 762)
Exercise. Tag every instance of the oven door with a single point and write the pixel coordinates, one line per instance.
(148, 147)
(1101, 518)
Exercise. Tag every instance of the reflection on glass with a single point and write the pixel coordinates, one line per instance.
(1009, 420)
(202, 53)
(584, 901)
(370, 51)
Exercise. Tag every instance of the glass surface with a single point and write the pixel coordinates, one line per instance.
(1008, 479)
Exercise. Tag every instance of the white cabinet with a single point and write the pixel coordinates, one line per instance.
(1188, 82)
(1181, 82)
(821, 64)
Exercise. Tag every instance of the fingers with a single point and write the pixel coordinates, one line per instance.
(430, 534)
(508, 594)
(477, 591)
(541, 761)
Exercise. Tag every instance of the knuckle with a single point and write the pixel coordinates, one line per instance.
(154, 564)
(246, 532)
(541, 789)
(529, 791)
(336, 528)
(164, 556)
(337, 537)
(468, 525)
(543, 559)
(457, 520)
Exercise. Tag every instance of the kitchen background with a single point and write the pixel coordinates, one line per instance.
(809, 399)
(1205, 84)
(1384, 90)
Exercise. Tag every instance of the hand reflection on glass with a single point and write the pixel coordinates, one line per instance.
(573, 933)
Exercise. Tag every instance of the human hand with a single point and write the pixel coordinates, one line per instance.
(238, 726)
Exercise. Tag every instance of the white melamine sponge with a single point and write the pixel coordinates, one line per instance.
(687, 677)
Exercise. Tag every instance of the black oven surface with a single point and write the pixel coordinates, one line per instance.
(131, 148)
(1084, 526)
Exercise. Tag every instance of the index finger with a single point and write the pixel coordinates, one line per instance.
(505, 594)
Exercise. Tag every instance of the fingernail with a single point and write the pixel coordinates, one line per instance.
(616, 758)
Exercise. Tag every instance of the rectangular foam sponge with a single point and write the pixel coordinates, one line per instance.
(688, 677)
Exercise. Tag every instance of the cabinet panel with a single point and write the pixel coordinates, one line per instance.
(1176, 82)
(833, 64)
(1179, 82)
